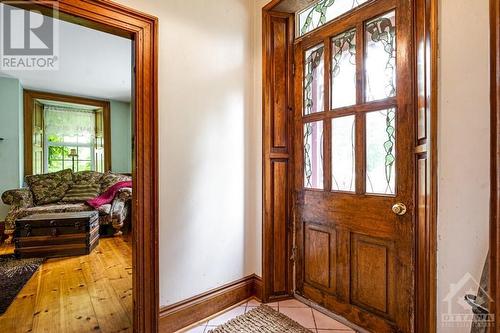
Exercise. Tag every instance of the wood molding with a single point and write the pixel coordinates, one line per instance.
(110, 17)
(277, 58)
(31, 95)
(194, 309)
(426, 43)
(495, 164)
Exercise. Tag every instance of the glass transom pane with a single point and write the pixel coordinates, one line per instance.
(313, 155)
(380, 60)
(343, 154)
(314, 80)
(324, 11)
(343, 76)
(381, 152)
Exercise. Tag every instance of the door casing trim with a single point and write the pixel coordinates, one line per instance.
(110, 17)
(426, 47)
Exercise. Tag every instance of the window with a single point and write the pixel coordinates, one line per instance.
(349, 106)
(322, 12)
(70, 138)
(65, 132)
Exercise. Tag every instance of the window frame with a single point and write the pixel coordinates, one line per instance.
(31, 97)
(48, 144)
(297, 26)
(354, 19)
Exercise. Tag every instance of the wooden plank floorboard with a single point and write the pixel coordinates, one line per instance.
(77, 310)
(76, 294)
(118, 276)
(111, 315)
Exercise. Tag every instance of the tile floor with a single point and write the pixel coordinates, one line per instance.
(301, 313)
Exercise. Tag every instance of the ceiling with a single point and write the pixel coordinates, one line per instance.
(293, 6)
(91, 64)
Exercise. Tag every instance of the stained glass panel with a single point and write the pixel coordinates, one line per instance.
(380, 63)
(343, 76)
(313, 155)
(324, 11)
(343, 154)
(381, 152)
(314, 80)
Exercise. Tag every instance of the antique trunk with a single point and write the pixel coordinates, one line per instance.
(57, 235)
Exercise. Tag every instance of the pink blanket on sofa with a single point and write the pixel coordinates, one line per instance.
(108, 196)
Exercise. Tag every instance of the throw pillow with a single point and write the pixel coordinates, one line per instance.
(50, 187)
(82, 192)
(109, 179)
(87, 177)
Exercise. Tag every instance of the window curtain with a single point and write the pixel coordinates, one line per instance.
(63, 122)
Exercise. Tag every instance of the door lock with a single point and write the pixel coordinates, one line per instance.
(399, 209)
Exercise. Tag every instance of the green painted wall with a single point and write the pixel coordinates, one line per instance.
(121, 137)
(11, 130)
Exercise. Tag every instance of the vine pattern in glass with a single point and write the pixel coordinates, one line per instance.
(343, 87)
(324, 11)
(381, 57)
(381, 151)
(314, 80)
(313, 155)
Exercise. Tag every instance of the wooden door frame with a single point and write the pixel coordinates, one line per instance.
(426, 94)
(31, 95)
(142, 29)
(495, 164)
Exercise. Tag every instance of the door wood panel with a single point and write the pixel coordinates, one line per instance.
(373, 274)
(280, 216)
(280, 101)
(320, 257)
(277, 152)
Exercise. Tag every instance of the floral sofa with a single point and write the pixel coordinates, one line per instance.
(46, 194)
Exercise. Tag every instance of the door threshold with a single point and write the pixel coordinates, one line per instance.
(333, 315)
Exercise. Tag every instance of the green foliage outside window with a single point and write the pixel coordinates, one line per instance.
(58, 158)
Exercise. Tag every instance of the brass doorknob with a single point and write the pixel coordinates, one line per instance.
(399, 209)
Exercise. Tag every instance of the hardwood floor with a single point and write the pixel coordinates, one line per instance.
(90, 293)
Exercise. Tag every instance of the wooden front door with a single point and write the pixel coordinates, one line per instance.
(354, 166)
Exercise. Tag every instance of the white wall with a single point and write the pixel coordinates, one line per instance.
(463, 144)
(208, 144)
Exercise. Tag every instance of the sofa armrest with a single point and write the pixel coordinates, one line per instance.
(19, 198)
(120, 208)
(123, 195)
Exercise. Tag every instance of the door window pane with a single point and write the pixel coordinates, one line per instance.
(313, 155)
(314, 80)
(380, 60)
(343, 87)
(324, 11)
(381, 152)
(343, 153)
